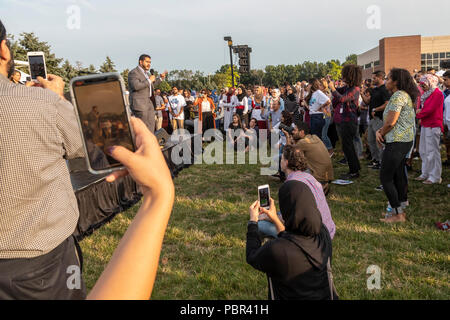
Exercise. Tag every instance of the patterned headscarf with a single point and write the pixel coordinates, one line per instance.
(432, 82)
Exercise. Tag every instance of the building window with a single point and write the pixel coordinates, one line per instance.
(423, 56)
(442, 55)
(448, 54)
(368, 66)
(429, 56)
(435, 55)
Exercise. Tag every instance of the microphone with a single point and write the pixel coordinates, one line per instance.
(152, 72)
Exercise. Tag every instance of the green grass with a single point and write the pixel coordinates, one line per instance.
(203, 255)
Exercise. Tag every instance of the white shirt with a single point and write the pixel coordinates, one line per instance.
(206, 106)
(234, 102)
(244, 103)
(148, 79)
(318, 99)
(176, 103)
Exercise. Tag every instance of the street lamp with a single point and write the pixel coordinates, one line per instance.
(230, 44)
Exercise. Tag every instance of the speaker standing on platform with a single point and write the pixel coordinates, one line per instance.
(142, 97)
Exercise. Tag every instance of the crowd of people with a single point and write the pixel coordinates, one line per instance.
(38, 210)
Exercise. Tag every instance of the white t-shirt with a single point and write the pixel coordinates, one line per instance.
(447, 111)
(318, 99)
(176, 103)
(206, 106)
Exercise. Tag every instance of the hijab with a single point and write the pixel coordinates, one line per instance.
(432, 82)
(303, 223)
(241, 96)
(291, 97)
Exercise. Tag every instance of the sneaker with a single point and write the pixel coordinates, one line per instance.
(379, 188)
(372, 163)
(420, 178)
(343, 162)
(376, 166)
(349, 176)
(389, 209)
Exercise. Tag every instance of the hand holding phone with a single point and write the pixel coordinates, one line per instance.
(264, 196)
(36, 63)
(103, 118)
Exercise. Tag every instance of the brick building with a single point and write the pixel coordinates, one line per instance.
(407, 52)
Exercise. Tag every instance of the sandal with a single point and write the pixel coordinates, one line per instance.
(431, 182)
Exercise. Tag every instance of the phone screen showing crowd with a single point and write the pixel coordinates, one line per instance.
(104, 121)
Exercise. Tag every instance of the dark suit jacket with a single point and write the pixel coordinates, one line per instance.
(139, 90)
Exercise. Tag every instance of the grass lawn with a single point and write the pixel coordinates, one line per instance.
(203, 255)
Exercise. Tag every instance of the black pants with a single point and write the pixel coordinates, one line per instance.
(53, 276)
(393, 174)
(347, 132)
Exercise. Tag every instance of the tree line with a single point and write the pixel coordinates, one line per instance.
(186, 79)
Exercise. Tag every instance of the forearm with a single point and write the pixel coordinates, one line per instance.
(131, 272)
(278, 224)
(253, 244)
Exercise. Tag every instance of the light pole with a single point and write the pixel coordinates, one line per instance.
(230, 44)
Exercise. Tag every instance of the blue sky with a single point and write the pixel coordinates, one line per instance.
(189, 34)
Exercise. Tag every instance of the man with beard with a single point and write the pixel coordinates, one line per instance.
(38, 208)
(316, 154)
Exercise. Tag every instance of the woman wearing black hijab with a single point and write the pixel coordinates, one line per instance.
(296, 262)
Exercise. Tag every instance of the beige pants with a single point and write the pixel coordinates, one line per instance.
(158, 122)
(177, 124)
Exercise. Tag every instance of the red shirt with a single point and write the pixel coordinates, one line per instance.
(432, 114)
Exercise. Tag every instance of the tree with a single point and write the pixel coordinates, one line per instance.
(124, 75)
(351, 59)
(164, 86)
(28, 41)
(68, 72)
(108, 66)
(91, 69)
(334, 69)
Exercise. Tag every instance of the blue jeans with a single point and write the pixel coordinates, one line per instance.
(325, 138)
(267, 228)
(317, 122)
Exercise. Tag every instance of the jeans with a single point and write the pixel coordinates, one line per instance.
(317, 123)
(374, 125)
(325, 138)
(347, 132)
(267, 228)
(358, 145)
(393, 175)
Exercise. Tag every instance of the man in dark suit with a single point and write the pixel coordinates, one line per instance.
(142, 95)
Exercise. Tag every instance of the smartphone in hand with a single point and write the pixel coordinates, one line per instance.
(36, 63)
(103, 117)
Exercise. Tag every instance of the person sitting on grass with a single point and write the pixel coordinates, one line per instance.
(293, 164)
(298, 261)
(316, 154)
